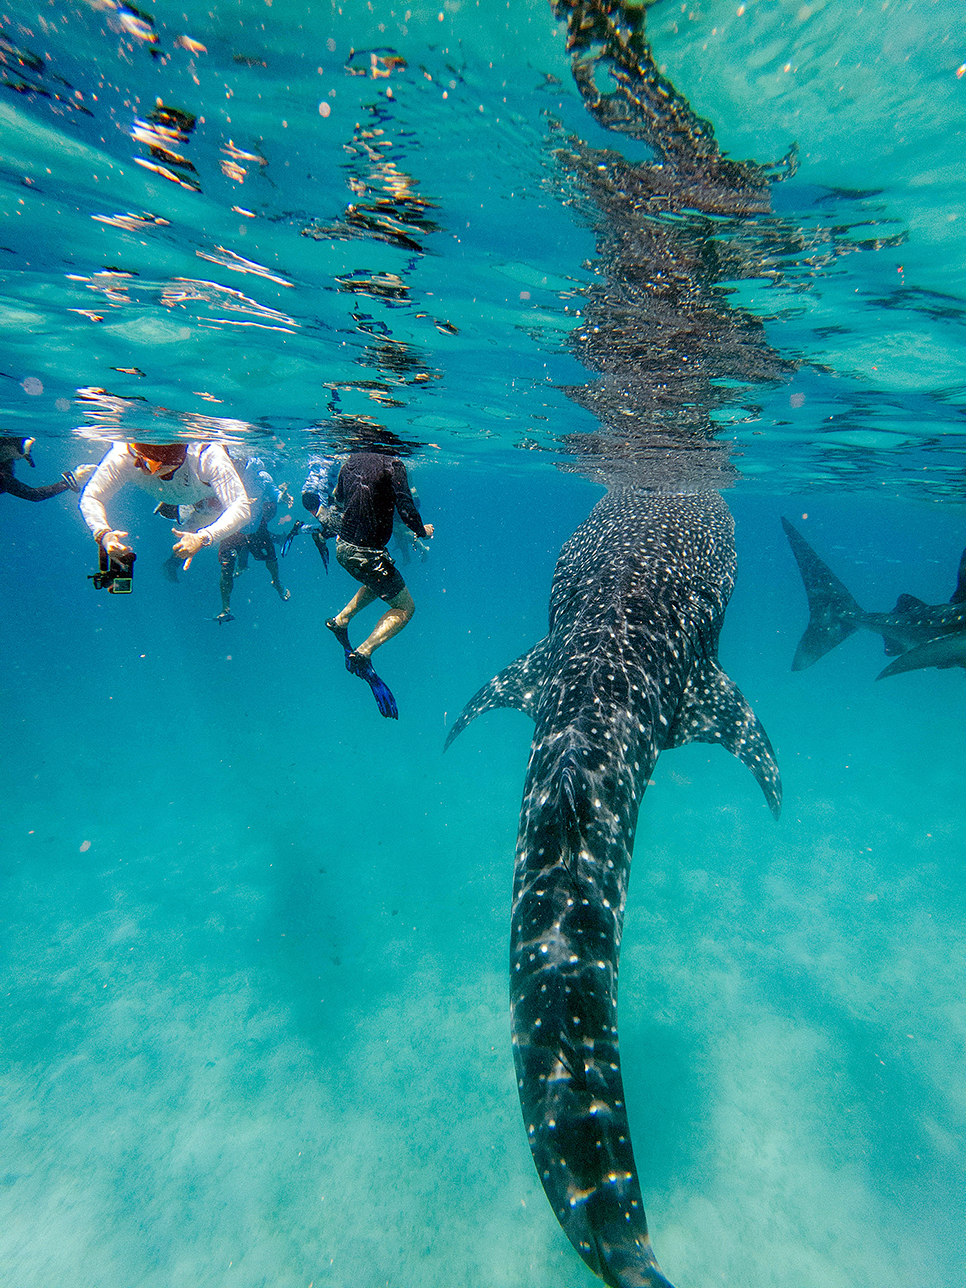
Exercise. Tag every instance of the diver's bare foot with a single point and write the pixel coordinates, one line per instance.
(341, 633)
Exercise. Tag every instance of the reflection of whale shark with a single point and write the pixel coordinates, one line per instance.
(921, 634)
(627, 670)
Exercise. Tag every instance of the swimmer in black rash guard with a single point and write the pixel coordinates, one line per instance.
(371, 487)
(18, 449)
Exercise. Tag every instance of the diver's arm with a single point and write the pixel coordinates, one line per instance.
(115, 469)
(404, 501)
(27, 493)
(215, 467)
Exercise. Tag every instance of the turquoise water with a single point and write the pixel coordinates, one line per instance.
(255, 970)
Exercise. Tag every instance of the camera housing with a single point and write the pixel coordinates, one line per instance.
(115, 573)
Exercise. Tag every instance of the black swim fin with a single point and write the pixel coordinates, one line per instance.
(320, 545)
(341, 633)
(286, 546)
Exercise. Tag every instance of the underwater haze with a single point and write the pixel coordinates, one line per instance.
(254, 937)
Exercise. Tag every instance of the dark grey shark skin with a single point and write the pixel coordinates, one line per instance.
(921, 634)
(628, 669)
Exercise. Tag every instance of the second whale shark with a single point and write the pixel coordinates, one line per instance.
(628, 669)
(915, 633)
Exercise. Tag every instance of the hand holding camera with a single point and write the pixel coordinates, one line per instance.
(115, 565)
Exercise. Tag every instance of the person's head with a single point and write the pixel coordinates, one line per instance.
(160, 459)
(17, 449)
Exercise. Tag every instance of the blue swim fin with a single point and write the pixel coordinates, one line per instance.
(362, 667)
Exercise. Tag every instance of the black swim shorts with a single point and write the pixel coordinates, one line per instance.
(258, 544)
(373, 567)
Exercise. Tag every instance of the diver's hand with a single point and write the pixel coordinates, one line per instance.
(189, 545)
(75, 479)
(113, 543)
(429, 529)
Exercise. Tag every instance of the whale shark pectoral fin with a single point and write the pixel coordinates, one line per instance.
(518, 685)
(946, 651)
(713, 709)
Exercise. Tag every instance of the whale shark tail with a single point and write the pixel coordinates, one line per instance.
(833, 613)
(627, 1263)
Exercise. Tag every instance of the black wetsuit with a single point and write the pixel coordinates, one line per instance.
(8, 483)
(371, 487)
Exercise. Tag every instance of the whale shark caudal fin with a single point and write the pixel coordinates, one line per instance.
(834, 614)
(946, 651)
(713, 709)
(518, 685)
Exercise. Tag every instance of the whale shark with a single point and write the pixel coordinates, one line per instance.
(915, 633)
(627, 670)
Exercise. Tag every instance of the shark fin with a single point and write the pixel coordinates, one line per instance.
(909, 604)
(518, 685)
(943, 652)
(834, 614)
(713, 709)
(892, 646)
(959, 594)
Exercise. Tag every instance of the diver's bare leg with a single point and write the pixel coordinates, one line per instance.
(398, 615)
(227, 582)
(360, 600)
(272, 566)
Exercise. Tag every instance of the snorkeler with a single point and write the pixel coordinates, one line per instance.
(174, 473)
(371, 487)
(254, 538)
(317, 498)
(19, 449)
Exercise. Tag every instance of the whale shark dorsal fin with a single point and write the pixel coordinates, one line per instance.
(713, 709)
(518, 685)
(909, 604)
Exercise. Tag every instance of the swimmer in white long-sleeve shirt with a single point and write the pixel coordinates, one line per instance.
(174, 474)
